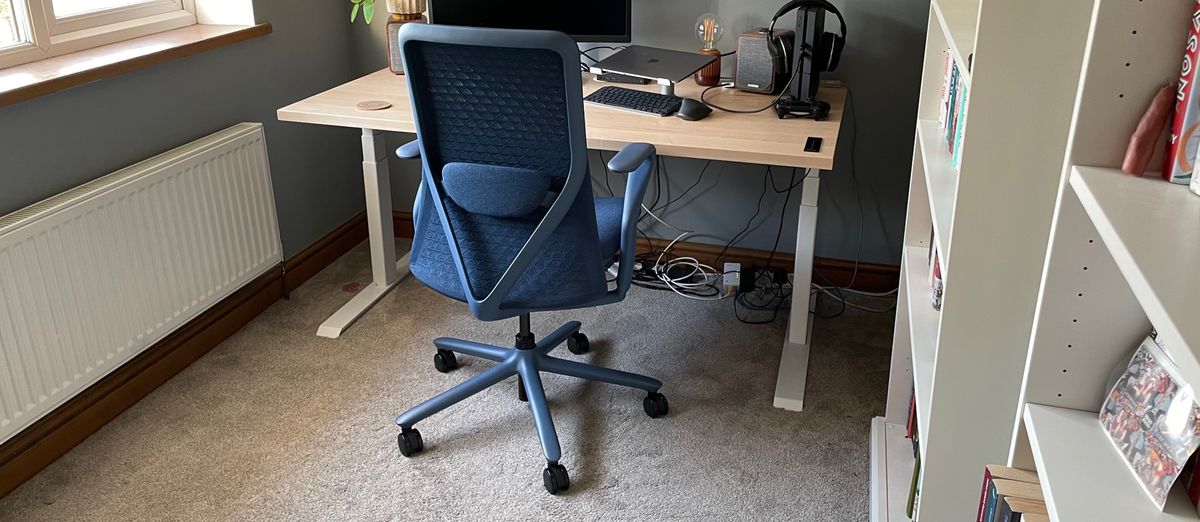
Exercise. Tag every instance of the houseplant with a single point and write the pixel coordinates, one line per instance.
(401, 12)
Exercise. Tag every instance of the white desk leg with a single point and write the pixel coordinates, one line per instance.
(386, 271)
(793, 365)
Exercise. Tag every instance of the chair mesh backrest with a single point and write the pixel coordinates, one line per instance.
(497, 106)
(502, 106)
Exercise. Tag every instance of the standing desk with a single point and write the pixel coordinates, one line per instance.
(760, 138)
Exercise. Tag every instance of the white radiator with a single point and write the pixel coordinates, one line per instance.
(93, 276)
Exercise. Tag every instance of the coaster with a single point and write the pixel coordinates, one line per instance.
(373, 105)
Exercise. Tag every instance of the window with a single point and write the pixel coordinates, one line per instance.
(8, 25)
(31, 30)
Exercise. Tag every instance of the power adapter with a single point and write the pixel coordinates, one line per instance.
(732, 277)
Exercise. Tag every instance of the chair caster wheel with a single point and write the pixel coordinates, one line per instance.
(444, 361)
(655, 405)
(555, 478)
(577, 343)
(410, 442)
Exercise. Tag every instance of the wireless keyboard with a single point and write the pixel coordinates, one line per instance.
(634, 100)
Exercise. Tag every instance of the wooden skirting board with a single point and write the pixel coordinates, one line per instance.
(54, 435)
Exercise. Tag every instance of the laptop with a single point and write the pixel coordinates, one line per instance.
(653, 63)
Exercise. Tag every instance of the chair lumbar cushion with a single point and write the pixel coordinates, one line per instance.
(495, 190)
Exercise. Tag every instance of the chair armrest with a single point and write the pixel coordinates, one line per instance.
(630, 158)
(410, 150)
(635, 191)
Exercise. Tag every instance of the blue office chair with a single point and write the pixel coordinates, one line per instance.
(505, 219)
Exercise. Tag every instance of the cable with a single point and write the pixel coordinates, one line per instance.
(745, 230)
(783, 213)
(778, 97)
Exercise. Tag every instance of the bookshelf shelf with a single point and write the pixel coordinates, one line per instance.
(1084, 478)
(923, 325)
(941, 180)
(892, 458)
(959, 20)
(1150, 228)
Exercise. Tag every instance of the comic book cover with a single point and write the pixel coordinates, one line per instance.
(1151, 417)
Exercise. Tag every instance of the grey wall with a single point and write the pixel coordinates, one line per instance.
(882, 67)
(56, 142)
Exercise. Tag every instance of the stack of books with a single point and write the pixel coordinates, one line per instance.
(1010, 495)
(953, 114)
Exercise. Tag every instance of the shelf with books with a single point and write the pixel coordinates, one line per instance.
(923, 329)
(1150, 228)
(959, 20)
(941, 180)
(892, 460)
(1084, 478)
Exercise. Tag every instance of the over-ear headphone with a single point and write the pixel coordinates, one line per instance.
(831, 43)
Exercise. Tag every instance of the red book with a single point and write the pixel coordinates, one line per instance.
(1185, 128)
(912, 415)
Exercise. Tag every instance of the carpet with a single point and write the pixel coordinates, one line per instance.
(279, 424)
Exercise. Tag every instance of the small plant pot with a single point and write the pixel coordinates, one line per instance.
(402, 12)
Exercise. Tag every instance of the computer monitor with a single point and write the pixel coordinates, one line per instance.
(591, 21)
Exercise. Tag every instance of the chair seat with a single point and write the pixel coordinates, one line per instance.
(436, 269)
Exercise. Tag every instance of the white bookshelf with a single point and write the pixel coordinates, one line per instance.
(1070, 449)
(1152, 231)
(957, 20)
(1123, 255)
(923, 329)
(892, 459)
(941, 180)
(1021, 60)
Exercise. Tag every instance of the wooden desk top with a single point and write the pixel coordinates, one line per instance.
(748, 138)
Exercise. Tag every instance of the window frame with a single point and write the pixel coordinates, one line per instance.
(48, 36)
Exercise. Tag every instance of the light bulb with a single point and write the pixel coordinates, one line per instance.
(708, 30)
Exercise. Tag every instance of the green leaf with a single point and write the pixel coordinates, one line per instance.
(355, 1)
(369, 11)
(354, 13)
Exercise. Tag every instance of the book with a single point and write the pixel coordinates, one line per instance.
(938, 287)
(1191, 480)
(1035, 517)
(951, 97)
(1184, 138)
(1013, 509)
(944, 92)
(999, 489)
(959, 129)
(1152, 420)
(912, 415)
(996, 471)
(913, 489)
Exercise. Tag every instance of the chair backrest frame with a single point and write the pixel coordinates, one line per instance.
(566, 49)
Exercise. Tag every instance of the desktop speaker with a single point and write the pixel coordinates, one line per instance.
(761, 68)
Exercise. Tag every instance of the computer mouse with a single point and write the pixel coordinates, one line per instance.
(693, 110)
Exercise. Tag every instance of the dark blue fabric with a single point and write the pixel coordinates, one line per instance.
(502, 107)
(549, 287)
(608, 224)
(495, 190)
